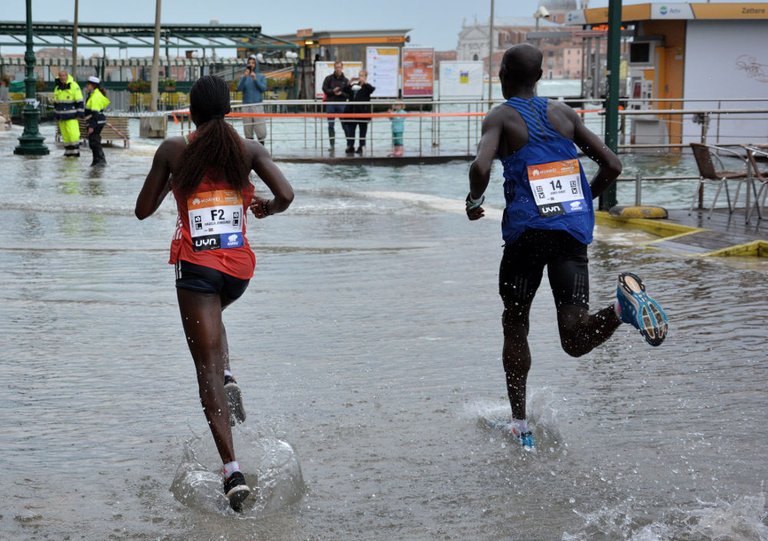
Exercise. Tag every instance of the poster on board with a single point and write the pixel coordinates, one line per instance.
(461, 79)
(383, 65)
(418, 72)
(324, 69)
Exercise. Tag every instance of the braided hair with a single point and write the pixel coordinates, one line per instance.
(216, 149)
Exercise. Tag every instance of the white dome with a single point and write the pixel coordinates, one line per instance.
(559, 5)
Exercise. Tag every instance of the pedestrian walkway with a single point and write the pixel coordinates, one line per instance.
(694, 234)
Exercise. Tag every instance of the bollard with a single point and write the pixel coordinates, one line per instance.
(153, 127)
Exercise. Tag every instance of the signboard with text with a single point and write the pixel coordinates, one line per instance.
(383, 65)
(324, 69)
(418, 72)
(461, 79)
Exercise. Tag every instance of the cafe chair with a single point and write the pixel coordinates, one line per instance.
(712, 171)
(759, 181)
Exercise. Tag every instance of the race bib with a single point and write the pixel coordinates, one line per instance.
(556, 188)
(216, 220)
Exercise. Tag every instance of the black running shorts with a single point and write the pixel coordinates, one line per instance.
(208, 280)
(522, 267)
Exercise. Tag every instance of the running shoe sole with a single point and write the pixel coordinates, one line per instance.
(525, 439)
(235, 403)
(237, 495)
(640, 310)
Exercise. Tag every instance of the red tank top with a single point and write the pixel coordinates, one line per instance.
(210, 229)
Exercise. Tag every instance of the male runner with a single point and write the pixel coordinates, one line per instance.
(548, 221)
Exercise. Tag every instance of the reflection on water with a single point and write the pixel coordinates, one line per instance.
(368, 350)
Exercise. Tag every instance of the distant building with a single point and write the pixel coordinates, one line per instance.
(344, 45)
(562, 57)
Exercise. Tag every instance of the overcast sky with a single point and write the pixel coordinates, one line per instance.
(433, 23)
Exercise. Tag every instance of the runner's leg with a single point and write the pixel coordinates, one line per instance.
(520, 273)
(204, 329)
(568, 274)
(516, 355)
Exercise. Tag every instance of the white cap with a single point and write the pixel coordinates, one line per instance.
(253, 56)
(94, 80)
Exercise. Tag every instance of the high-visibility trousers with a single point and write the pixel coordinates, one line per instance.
(70, 131)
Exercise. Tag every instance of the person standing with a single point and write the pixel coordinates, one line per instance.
(68, 107)
(398, 129)
(208, 174)
(94, 113)
(360, 90)
(335, 88)
(548, 221)
(253, 84)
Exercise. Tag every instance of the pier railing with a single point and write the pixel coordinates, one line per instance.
(453, 127)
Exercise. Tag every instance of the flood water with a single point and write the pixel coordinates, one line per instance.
(368, 348)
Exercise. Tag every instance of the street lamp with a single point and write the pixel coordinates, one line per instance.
(30, 142)
(541, 13)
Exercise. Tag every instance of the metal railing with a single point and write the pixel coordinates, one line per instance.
(300, 127)
(453, 127)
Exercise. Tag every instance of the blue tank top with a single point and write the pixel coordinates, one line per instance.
(544, 183)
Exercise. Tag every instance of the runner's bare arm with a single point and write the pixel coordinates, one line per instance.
(273, 177)
(480, 169)
(595, 149)
(156, 185)
(487, 149)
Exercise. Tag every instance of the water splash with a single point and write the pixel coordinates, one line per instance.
(745, 518)
(271, 467)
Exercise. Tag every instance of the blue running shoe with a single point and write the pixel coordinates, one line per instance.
(640, 310)
(524, 438)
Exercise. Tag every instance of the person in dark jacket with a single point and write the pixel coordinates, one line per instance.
(335, 90)
(360, 90)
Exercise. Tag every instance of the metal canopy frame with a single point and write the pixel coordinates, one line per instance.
(115, 35)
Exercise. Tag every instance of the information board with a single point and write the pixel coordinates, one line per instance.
(461, 79)
(324, 69)
(383, 65)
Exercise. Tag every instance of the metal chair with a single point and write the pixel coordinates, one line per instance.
(711, 170)
(758, 178)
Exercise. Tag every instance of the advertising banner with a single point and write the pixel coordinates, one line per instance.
(418, 73)
(383, 65)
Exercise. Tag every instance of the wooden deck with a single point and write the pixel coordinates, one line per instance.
(696, 234)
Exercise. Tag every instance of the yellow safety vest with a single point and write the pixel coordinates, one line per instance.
(68, 101)
(97, 101)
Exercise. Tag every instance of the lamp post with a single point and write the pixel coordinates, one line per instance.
(74, 43)
(155, 59)
(490, 58)
(608, 198)
(30, 142)
(540, 13)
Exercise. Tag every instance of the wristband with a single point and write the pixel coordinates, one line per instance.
(472, 204)
(266, 208)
